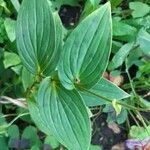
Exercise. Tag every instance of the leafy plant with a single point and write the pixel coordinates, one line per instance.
(54, 102)
(62, 72)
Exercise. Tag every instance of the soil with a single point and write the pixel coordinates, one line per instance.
(105, 136)
(69, 15)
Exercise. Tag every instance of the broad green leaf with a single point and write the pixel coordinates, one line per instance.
(34, 112)
(144, 41)
(86, 51)
(139, 9)
(106, 89)
(121, 55)
(10, 26)
(64, 114)
(16, 4)
(11, 59)
(39, 36)
(123, 31)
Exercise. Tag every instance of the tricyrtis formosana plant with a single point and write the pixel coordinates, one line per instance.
(65, 71)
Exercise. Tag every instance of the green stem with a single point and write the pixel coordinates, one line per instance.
(134, 118)
(130, 107)
(130, 80)
(16, 118)
(137, 84)
(142, 121)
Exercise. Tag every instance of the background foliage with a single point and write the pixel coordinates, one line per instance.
(129, 61)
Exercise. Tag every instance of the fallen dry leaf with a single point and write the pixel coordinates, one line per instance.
(114, 127)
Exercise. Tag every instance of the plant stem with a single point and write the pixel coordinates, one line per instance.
(130, 80)
(134, 118)
(20, 115)
(130, 107)
(142, 121)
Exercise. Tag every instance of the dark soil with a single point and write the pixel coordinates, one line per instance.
(69, 15)
(104, 136)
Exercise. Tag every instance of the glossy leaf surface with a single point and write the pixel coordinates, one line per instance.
(106, 89)
(64, 114)
(37, 37)
(86, 51)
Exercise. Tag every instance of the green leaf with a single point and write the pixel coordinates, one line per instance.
(39, 36)
(64, 114)
(17, 69)
(35, 147)
(144, 41)
(139, 9)
(4, 5)
(27, 78)
(3, 124)
(10, 26)
(35, 114)
(13, 131)
(139, 132)
(50, 140)
(95, 2)
(16, 4)
(3, 144)
(111, 114)
(115, 3)
(86, 51)
(95, 147)
(10, 59)
(106, 89)
(116, 106)
(89, 7)
(3, 34)
(123, 31)
(30, 133)
(121, 55)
